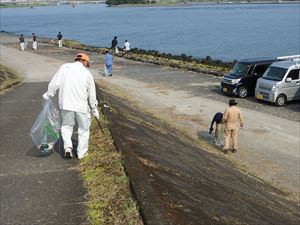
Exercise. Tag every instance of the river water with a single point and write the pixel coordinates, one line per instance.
(225, 31)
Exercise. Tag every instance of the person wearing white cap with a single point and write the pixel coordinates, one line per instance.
(77, 97)
(126, 47)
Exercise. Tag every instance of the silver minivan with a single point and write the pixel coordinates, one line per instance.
(280, 82)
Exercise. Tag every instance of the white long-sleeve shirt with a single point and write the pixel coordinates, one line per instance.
(76, 87)
(127, 46)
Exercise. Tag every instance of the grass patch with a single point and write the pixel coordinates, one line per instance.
(109, 197)
(73, 44)
(8, 78)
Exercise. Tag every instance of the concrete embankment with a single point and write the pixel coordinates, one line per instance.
(176, 181)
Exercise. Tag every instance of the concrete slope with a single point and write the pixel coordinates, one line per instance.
(177, 182)
(269, 145)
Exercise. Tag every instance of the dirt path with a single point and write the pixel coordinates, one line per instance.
(269, 145)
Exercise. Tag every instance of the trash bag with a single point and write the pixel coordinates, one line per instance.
(105, 71)
(45, 130)
(117, 50)
(218, 141)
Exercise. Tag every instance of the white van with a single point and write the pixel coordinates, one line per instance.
(280, 82)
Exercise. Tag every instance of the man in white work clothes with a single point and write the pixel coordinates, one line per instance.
(77, 96)
(126, 47)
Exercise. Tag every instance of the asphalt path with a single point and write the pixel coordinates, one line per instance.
(35, 188)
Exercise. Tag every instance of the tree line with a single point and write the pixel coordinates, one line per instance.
(119, 2)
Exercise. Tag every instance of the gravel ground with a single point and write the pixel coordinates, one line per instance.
(206, 86)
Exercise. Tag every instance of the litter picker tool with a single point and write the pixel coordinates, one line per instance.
(100, 126)
(105, 105)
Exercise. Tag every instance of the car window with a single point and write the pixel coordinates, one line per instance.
(240, 69)
(260, 69)
(274, 73)
(294, 74)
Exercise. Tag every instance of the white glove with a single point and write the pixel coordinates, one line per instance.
(46, 96)
(96, 113)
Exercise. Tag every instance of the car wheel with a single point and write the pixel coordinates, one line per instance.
(280, 100)
(242, 92)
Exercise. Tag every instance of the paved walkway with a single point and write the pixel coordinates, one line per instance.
(35, 188)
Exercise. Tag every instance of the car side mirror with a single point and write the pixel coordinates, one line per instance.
(288, 80)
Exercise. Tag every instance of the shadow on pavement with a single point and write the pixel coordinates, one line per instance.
(58, 148)
(34, 152)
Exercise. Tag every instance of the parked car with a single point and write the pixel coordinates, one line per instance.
(242, 78)
(241, 81)
(280, 83)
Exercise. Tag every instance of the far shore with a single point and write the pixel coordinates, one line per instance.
(12, 4)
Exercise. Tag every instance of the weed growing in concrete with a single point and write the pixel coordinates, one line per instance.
(109, 197)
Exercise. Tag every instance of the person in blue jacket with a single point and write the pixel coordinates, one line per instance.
(218, 117)
(108, 63)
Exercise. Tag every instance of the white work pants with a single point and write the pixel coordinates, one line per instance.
(34, 45)
(22, 45)
(59, 43)
(68, 121)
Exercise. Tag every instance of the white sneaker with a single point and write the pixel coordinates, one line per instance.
(84, 155)
(68, 153)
